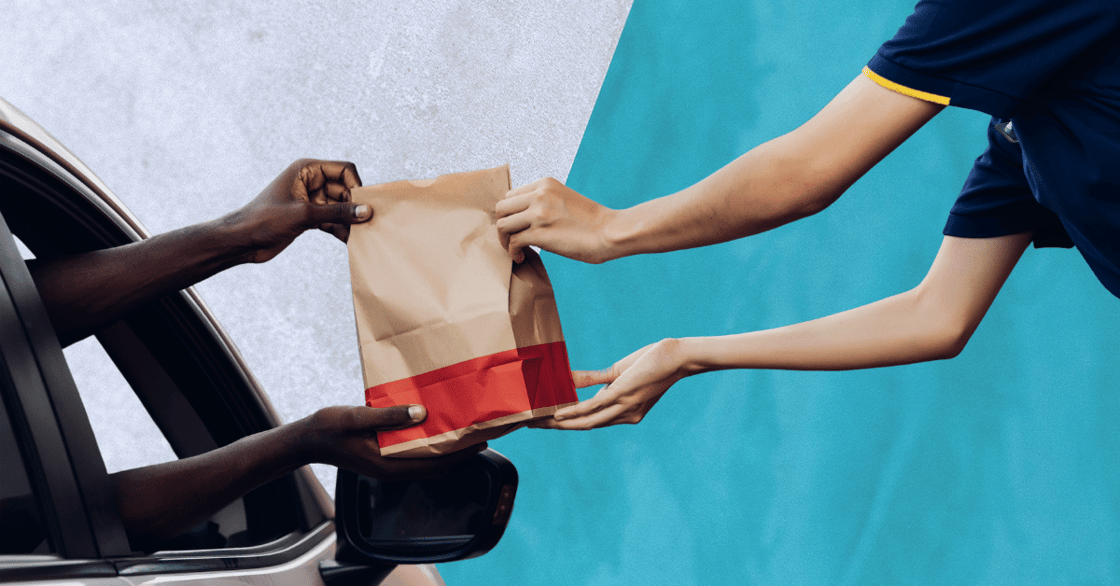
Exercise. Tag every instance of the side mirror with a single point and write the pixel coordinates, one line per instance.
(459, 516)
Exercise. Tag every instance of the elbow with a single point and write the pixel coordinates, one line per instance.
(820, 178)
(809, 201)
(795, 184)
(950, 342)
(795, 196)
(945, 330)
(813, 190)
(947, 334)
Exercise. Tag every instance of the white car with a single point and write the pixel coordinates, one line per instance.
(58, 522)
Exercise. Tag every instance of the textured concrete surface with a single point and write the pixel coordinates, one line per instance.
(187, 109)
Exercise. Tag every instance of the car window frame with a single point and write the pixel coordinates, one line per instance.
(113, 228)
(47, 418)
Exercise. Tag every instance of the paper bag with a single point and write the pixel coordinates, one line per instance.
(447, 320)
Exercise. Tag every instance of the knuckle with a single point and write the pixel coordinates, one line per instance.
(301, 164)
(352, 169)
(539, 216)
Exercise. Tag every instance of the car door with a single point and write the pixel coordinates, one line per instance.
(191, 381)
(192, 384)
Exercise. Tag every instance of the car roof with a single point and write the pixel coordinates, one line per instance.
(18, 124)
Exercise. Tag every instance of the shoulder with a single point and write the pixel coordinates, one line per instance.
(991, 55)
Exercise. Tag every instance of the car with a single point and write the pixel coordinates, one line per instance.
(58, 521)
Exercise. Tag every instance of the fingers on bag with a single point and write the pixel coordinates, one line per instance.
(447, 321)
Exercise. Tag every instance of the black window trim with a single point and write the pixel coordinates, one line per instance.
(103, 535)
(45, 403)
(28, 568)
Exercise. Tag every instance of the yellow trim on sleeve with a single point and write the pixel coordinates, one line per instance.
(913, 93)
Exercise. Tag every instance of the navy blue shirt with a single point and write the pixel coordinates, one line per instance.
(1048, 72)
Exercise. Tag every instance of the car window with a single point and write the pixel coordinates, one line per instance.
(24, 252)
(125, 432)
(153, 385)
(179, 374)
(22, 530)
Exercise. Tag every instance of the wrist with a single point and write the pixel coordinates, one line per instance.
(235, 231)
(618, 234)
(306, 440)
(693, 356)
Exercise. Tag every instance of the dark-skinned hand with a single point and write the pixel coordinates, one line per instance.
(308, 194)
(347, 437)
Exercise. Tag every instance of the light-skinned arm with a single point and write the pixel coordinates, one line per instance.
(788, 178)
(932, 321)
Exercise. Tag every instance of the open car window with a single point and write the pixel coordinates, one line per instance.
(125, 432)
(167, 366)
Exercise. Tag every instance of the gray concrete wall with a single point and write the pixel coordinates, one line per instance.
(187, 109)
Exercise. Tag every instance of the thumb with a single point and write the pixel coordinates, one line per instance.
(338, 213)
(385, 418)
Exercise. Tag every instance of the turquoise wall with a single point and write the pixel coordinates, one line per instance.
(997, 467)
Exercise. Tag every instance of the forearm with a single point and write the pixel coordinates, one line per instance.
(785, 179)
(767, 187)
(86, 292)
(930, 322)
(898, 330)
(903, 329)
(159, 502)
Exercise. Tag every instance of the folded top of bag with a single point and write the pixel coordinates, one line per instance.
(433, 285)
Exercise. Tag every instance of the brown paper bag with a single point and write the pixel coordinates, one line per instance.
(447, 321)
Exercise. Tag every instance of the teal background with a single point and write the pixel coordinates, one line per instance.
(997, 467)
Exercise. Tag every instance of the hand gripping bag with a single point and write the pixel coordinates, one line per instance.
(447, 321)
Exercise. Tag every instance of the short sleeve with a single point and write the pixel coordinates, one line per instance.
(996, 199)
(989, 55)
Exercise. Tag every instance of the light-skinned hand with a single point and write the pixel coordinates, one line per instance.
(634, 385)
(552, 216)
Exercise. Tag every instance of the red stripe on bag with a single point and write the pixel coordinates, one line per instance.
(478, 390)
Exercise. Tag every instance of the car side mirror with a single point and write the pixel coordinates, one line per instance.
(461, 515)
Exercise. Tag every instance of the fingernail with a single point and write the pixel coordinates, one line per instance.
(519, 258)
(558, 417)
(362, 212)
(416, 412)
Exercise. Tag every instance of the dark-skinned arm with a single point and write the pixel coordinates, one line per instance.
(159, 502)
(87, 292)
